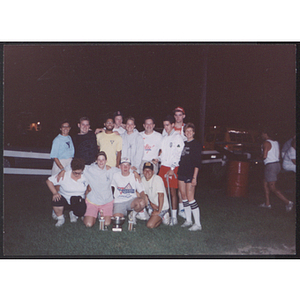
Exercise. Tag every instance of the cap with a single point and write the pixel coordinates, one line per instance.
(125, 160)
(117, 113)
(179, 109)
(148, 165)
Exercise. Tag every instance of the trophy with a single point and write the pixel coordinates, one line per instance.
(117, 223)
(102, 222)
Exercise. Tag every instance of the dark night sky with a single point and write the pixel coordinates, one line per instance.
(247, 85)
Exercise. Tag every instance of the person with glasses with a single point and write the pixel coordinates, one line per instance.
(62, 150)
(71, 193)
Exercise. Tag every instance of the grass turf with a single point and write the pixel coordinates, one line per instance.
(231, 226)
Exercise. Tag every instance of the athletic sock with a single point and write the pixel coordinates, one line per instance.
(187, 210)
(181, 206)
(196, 212)
(174, 213)
(60, 221)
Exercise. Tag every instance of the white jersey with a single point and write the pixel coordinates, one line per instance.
(100, 183)
(125, 187)
(172, 146)
(154, 186)
(273, 153)
(121, 130)
(181, 131)
(70, 187)
(152, 145)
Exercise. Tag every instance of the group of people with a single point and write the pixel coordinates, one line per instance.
(116, 170)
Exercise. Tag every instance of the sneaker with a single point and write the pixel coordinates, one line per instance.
(181, 214)
(54, 216)
(264, 205)
(143, 215)
(195, 227)
(187, 224)
(289, 206)
(173, 222)
(73, 218)
(60, 221)
(166, 219)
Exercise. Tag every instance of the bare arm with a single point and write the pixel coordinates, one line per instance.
(118, 158)
(58, 163)
(266, 148)
(194, 180)
(52, 188)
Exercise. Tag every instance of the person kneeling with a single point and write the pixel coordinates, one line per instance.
(155, 191)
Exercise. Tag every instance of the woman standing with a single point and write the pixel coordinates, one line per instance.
(189, 165)
(62, 150)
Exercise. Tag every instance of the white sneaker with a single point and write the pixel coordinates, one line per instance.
(173, 222)
(195, 227)
(181, 214)
(187, 224)
(54, 216)
(289, 206)
(166, 219)
(60, 221)
(264, 205)
(73, 218)
(143, 215)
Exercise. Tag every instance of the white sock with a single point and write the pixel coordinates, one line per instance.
(174, 213)
(181, 206)
(196, 212)
(60, 221)
(187, 210)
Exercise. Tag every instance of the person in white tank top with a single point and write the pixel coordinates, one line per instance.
(271, 155)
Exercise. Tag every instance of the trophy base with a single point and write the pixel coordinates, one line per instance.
(116, 229)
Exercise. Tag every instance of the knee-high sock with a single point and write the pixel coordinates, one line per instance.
(187, 210)
(196, 212)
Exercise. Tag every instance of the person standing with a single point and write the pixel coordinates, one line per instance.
(132, 145)
(85, 143)
(271, 157)
(62, 150)
(289, 158)
(111, 143)
(189, 165)
(171, 148)
(152, 144)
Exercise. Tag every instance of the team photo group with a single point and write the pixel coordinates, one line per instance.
(118, 172)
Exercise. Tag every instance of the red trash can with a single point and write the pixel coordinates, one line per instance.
(237, 184)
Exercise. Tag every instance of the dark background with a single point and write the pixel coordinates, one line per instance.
(247, 85)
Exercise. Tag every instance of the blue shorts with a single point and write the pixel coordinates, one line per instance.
(186, 179)
(271, 171)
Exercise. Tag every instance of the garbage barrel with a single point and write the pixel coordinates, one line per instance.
(237, 184)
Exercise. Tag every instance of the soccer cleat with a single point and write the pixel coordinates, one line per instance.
(289, 206)
(54, 216)
(166, 219)
(60, 221)
(264, 205)
(195, 227)
(173, 221)
(73, 218)
(143, 215)
(187, 224)
(181, 214)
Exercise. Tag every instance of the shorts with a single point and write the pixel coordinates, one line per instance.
(77, 205)
(271, 171)
(173, 182)
(186, 179)
(162, 213)
(65, 163)
(93, 209)
(122, 207)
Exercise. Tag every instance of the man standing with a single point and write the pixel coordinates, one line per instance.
(110, 143)
(172, 146)
(125, 192)
(179, 115)
(152, 144)
(271, 155)
(85, 143)
(118, 119)
(155, 191)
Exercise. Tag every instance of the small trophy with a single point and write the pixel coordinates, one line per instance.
(117, 223)
(130, 223)
(101, 221)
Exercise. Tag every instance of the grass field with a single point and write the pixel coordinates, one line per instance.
(231, 226)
